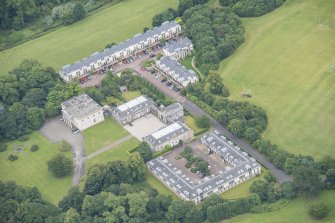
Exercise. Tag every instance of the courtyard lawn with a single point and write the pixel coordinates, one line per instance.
(190, 121)
(159, 186)
(103, 134)
(117, 153)
(242, 189)
(129, 95)
(288, 63)
(31, 168)
(79, 40)
(295, 212)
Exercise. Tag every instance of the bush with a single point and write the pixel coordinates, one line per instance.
(318, 210)
(188, 165)
(23, 138)
(12, 157)
(34, 148)
(202, 122)
(60, 165)
(3, 147)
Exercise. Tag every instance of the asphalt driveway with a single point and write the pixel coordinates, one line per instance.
(56, 131)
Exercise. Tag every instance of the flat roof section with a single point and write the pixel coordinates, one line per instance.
(132, 103)
(167, 130)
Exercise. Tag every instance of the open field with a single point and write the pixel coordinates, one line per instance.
(242, 189)
(31, 168)
(129, 95)
(295, 212)
(77, 41)
(102, 135)
(117, 153)
(288, 63)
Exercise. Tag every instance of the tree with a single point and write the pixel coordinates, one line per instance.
(71, 216)
(60, 165)
(202, 122)
(215, 82)
(270, 177)
(137, 205)
(307, 181)
(251, 134)
(34, 148)
(236, 127)
(3, 147)
(318, 210)
(73, 12)
(136, 168)
(31, 213)
(74, 199)
(94, 181)
(288, 190)
(330, 177)
(145, 151)
(260, 187)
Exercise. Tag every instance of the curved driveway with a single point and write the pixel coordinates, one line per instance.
(56, 131)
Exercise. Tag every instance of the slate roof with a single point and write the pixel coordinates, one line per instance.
(189, 189)
(178, 45)
(165, 134)
(80, 106)
(173, 108)
(141, 37)
(133, 106)
(181, 73)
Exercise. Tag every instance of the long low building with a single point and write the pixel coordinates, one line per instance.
(133, 109)
(174, 70)
(81, 112)
(178, 49)
(170, 135)
(120, 51)
(242, 167)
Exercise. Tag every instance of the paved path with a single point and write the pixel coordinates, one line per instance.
(108, 147)
(193, 65)
(56, 131)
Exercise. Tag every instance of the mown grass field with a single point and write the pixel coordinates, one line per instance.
(103, 134)
(295, 212)
(77, 41)
(31, 168)
(117, 153)
(288, 63)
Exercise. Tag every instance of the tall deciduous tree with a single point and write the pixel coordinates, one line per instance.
(60, 165)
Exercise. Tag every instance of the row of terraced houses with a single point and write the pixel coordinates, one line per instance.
(123, 50)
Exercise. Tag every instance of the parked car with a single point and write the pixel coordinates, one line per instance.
(75, 130)
(97, 85)
(163, 80)
(152, 55)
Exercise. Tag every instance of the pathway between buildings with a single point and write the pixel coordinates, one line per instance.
(108, 147)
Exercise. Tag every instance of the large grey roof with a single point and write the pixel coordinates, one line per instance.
(179, 70)
(80, 106)
(167, 133)
(119, 47)
(190, 189)
(177, 45)
(173, 108)
(133, 106)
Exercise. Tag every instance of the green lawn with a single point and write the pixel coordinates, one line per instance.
(288, 63)
(190, 121)
(295, 212)
(117, 153)
(129, 95)
(159, 186)
(103, 134)
(242, 189)
(79, 40)
(31, 168)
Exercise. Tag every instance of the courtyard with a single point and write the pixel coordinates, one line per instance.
(178, 163)
(144, 126)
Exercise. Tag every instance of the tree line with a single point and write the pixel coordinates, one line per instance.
(110, 88)
(28, 94)
(252, 8)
